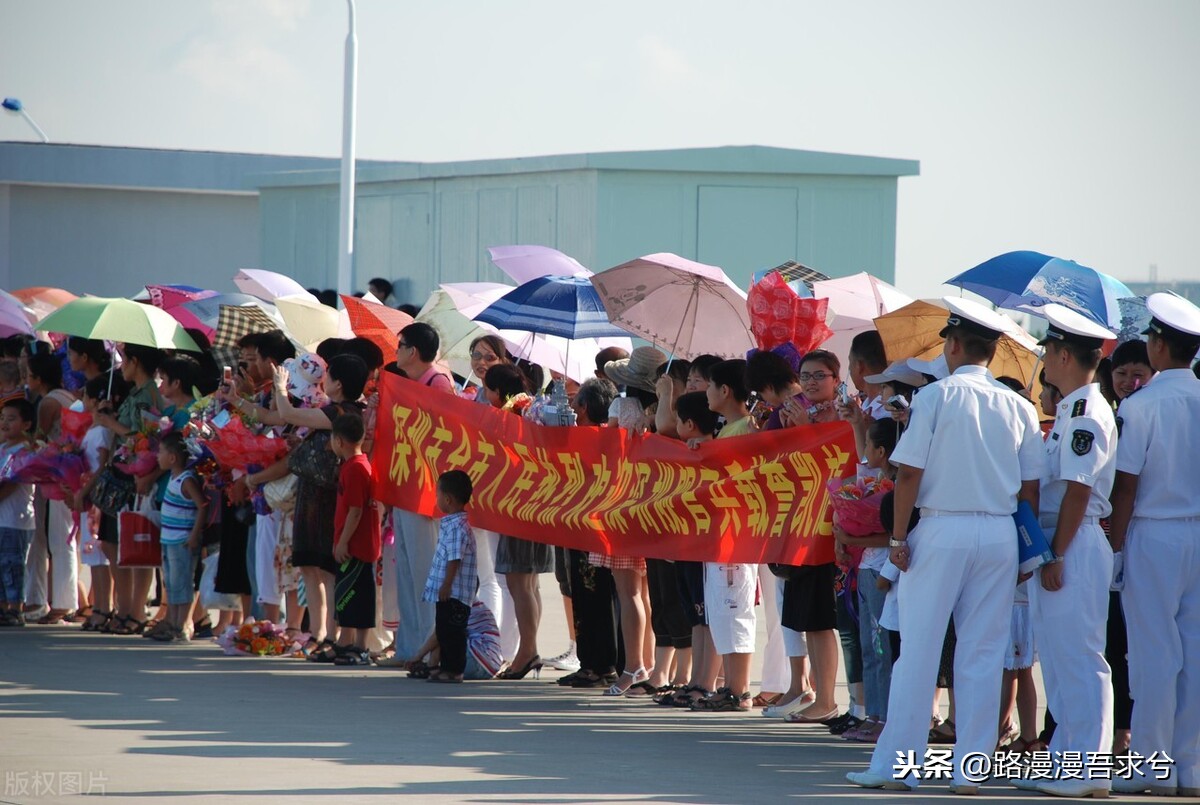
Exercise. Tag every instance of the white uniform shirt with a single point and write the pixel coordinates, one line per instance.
(976, 439)
(1160, 442)
(1082, 447)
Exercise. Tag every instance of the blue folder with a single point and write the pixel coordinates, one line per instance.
(1033, 549)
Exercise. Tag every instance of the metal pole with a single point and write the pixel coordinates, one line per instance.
(346, 222)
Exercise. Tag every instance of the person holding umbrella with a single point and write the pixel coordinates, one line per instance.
(1069, 602)
(973, 448)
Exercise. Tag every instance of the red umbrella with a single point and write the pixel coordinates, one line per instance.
(376, 322)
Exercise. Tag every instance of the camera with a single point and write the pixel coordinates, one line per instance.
(897, 403)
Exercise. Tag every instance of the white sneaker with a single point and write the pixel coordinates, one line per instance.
(34, 615)
(784, 710)
(1140, 785)
(869, 779)
(1073, 788)
(567, 661)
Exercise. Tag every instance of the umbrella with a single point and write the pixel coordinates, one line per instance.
(268, 285)
(913, 332)
(575, 358)
(236, 321)
(121, 320)
(42, 300)
(568, 307)
(1024, 280)
(455, 330)
(679, 305)
(799, 277)
(206, 312)
(171, 296)
(376, 321)
(13, 321)
(309, 322)
(855, 301)
(525, 263)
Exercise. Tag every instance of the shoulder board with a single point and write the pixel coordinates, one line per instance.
(1120, 424)
(1079, 409)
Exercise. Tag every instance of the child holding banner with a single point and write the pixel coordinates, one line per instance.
(729, 587)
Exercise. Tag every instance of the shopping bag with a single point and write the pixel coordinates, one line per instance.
(90, 552)
(138, 539)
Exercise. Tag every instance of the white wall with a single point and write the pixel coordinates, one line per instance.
(111, 242)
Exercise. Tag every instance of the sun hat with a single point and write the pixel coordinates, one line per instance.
(637, 370)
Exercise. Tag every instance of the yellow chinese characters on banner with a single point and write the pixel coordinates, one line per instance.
(759, 498)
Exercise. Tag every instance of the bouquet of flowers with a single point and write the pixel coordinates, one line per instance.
(54, 466)
(518, 404)
(236, 446)
(138, 453)
(260, 639)
(856, 503)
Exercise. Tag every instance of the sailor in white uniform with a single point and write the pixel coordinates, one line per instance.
(1156, 519)
(972, 448)
(1069, 602)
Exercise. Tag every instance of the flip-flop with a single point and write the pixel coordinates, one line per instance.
(800, 718)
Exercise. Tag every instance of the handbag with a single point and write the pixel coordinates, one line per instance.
(113, 491)
(138, 542)
(281, 493)
(313, 461)
(785, 572)
(90, 552)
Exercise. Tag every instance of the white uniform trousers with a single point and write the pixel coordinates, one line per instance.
(493, 592)
(53, 556)
(416, 542)
(1162, 616)
(266, 540)
(776, 673)
(965, 566)
(1070, 630)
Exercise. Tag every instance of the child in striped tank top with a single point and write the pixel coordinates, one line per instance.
(183, 518)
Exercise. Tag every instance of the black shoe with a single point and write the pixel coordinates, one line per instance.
(843, 723)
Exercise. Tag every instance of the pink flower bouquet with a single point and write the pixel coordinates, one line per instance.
(856, 503)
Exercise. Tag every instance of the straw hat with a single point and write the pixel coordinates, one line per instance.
(637, 370)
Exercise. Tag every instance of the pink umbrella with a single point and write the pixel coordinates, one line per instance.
(13, 321)
(268, 285)
(854, 303)
(677, 304)
(525, 263)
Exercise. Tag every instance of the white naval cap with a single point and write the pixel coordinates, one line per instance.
(1173, 317)
(899, 372)
(937, 367)
(975, 318)
(1071, 325)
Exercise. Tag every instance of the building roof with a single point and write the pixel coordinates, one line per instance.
(144, 168)
(722, 159)
(215, 171)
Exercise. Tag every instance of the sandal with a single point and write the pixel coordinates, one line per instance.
(325, 652)
(94, 625)
(54, 617)
(724, 701)
(155, 628)
(418, 670)
(686, 696)
(765, 699)
(591, 679)
(202, 629)
(81, 615)
(1020, 746)
(351, 655)
(444, 676)
(617, 689)
(129, 626)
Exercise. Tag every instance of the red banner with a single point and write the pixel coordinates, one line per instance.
(758, 498)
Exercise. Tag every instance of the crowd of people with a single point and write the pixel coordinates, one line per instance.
(928, 607)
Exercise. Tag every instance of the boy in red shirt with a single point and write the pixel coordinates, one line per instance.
(358, 542)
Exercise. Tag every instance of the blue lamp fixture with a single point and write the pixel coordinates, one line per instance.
(15, 105)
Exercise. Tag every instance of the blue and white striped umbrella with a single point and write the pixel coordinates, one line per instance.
(568, 307)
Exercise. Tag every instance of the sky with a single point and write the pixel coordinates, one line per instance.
(1066, 127)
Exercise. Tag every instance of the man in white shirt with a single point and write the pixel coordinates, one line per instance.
(972, 447)
(1069, 596)
(1156, 520)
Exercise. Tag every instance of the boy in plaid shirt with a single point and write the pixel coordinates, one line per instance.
(454, 576)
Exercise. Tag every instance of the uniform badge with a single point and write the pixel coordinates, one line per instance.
(1080, 408)
(1081, 442)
